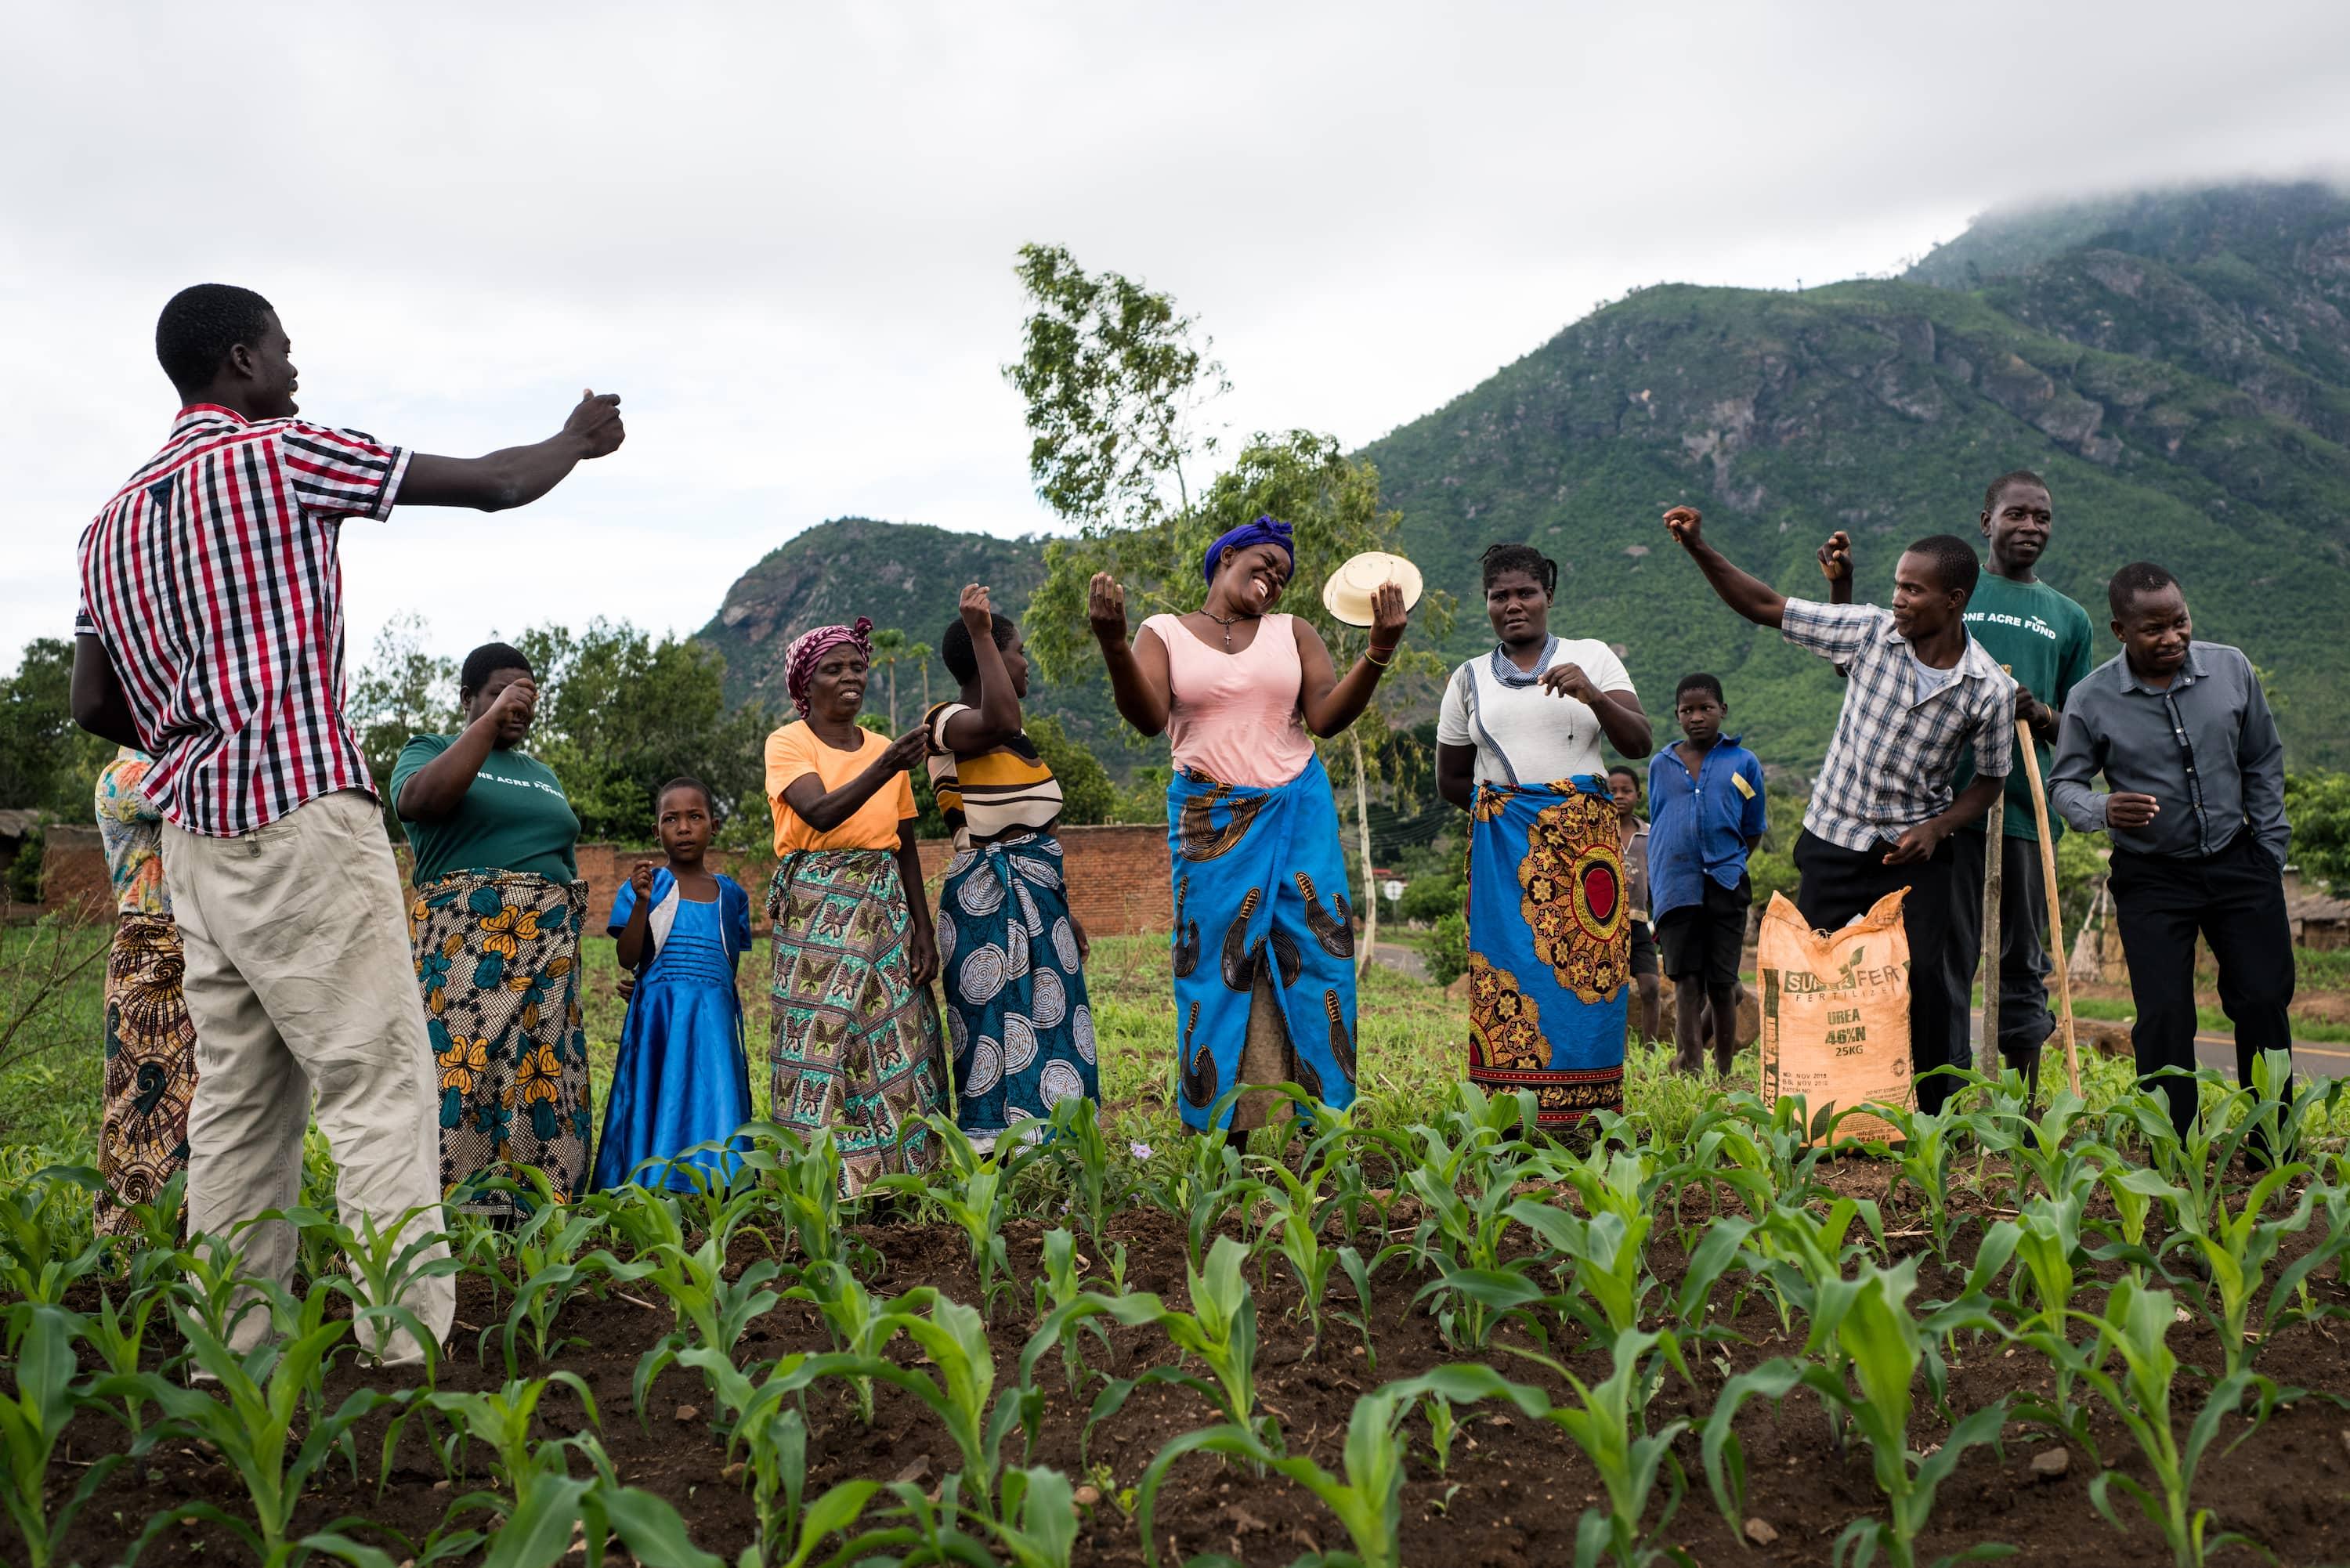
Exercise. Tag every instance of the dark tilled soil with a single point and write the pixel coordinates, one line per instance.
(1510, 1498)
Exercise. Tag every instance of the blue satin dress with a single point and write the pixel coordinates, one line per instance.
(682, 1079)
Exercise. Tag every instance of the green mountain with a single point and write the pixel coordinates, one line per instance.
(908, 576)
(2177, 365)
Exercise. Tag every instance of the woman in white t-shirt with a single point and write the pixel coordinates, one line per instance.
(1517, 747)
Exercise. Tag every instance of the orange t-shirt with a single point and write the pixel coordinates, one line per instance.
(795, 750)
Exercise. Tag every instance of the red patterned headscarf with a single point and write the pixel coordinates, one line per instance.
(799, 662)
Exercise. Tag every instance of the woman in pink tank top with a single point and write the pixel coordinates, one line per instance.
(1251, 826)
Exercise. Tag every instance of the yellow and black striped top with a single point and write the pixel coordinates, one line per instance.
(998, 791)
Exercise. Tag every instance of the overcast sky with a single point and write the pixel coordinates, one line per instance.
(784, 232)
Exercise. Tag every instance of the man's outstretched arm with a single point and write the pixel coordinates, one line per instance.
(517, 475)
(1750, 596)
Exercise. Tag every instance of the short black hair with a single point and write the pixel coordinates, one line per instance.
(1500, 558)
(1956, 566)
(961, 657)
(1701, 683)
(2012, 476)
(487, 660)
(2137, 577)
(199, 324)
(686, 780)
(1628, 771)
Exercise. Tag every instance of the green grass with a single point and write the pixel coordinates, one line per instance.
(1411, 1048)
(2209, 1020)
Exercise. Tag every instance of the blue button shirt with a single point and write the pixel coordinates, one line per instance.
(1699, 827)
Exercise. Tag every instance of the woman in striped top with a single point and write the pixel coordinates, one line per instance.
(1011, 951)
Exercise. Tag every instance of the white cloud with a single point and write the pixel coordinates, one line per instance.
(784, 233)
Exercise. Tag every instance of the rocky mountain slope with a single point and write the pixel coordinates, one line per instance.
(2179, 368)
(2176, 363)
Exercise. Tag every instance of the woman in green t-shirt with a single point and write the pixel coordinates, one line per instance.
(496, 924)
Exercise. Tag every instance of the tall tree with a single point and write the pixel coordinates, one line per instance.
(403, 691)
(1111, 376)
(1111, 379)
(47, 762)
(620, 714)
(889, 646)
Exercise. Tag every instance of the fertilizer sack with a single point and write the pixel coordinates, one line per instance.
(1835, 1015)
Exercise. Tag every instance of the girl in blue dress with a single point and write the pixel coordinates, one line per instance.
(682, 1078)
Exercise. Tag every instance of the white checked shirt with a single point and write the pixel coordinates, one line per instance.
(1888, 766)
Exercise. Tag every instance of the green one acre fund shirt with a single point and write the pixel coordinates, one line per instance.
(2045, 641)
(514, 818)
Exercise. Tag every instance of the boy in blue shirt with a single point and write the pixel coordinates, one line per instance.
(1705, 813)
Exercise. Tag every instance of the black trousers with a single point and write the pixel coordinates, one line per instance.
(1839, 884)
(2235, 900)
(2024, 1019)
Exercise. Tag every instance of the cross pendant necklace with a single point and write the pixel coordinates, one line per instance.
(1227, 625)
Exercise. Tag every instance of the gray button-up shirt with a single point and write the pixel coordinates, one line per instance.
(2206, 748)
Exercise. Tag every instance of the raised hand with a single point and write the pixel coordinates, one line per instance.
(1106, 609)
(597, 422)
(1836, 557)
(978, 615)
(640, 880)
(1388, 618)
(1682, 522)
(512, 709)
(1569, 680)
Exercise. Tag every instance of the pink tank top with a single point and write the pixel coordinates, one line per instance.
(1235, 715)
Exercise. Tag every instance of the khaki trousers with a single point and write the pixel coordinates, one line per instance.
(303, 992)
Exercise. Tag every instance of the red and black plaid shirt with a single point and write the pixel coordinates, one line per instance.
(214, 580)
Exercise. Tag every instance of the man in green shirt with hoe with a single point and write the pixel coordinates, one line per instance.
(2044, 640)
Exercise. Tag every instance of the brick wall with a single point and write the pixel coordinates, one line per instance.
(74, 882)
(1118, 875)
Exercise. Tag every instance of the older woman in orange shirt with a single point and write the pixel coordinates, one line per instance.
(857, 1050)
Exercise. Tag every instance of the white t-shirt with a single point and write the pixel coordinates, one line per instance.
(1522, 734)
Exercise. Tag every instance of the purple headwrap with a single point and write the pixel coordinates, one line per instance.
(799, 661)
(1265, 530)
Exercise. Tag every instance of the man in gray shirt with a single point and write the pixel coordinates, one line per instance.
(2183, 737)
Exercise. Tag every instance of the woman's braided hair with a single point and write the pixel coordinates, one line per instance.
(1500, 558)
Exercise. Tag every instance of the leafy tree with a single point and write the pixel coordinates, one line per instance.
(919, 655)
(1110, 377)
(402, 691)
(2317, 802)
(890, 646)
(47, 762)
(620, 714)
(1430, 898)
(1087, 795)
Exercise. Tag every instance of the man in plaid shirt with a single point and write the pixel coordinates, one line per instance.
(1920, 692)
(212, 639)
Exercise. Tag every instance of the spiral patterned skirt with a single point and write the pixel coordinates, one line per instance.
(1018, 1019)
(150, 1069)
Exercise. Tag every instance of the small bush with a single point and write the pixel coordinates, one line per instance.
(1447, 950)
(24, 881)
(1430, 898)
